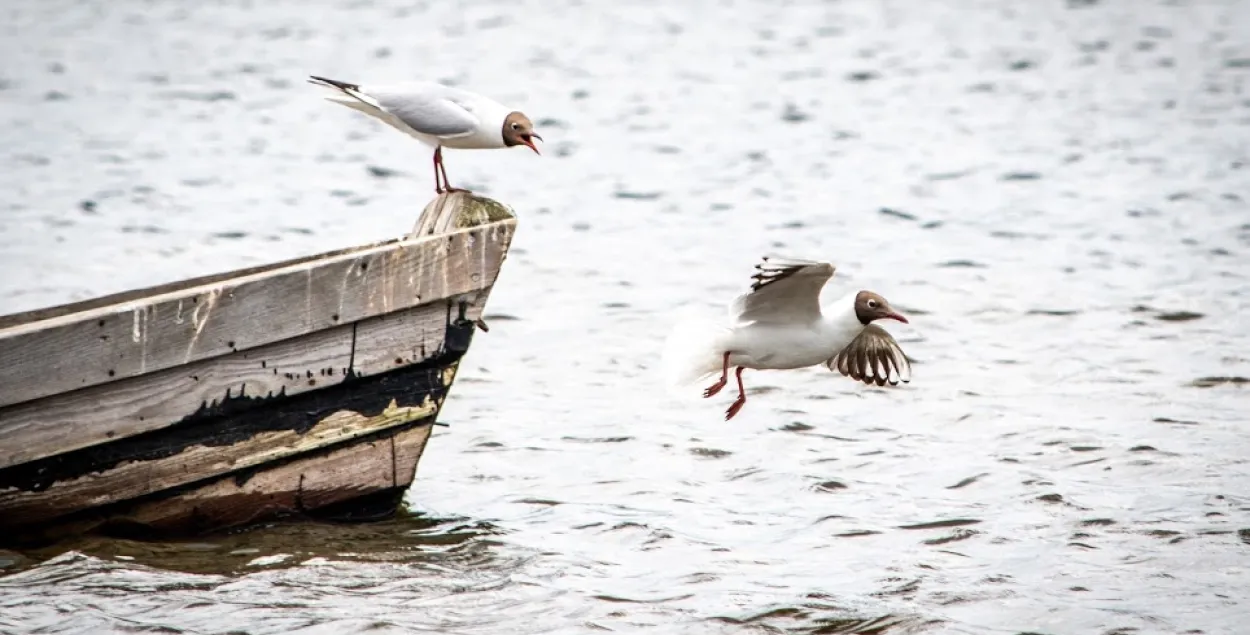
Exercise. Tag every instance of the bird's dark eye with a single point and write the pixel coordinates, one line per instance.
(872, 304)
(516, 126)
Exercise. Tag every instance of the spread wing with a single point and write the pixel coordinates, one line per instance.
(784, 291)
(873, 357)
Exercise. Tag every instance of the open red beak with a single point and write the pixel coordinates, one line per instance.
(899, 317)
(529, 141)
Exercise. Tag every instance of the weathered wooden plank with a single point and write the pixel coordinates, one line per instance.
(300, 486)
(447, 214)
(38, 494)
(121, 409)
(305, 485)
(109, 343)
(123, 297)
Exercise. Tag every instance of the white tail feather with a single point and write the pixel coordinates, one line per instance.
(361, 102)
(346, 95)
(351, 98)
(693, 351)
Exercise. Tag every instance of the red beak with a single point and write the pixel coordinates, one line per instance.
(529, 141)
(899, 317)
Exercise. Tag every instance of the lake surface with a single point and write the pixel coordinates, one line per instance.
(1055, 192)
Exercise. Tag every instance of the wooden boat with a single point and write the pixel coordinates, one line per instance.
(304, 387)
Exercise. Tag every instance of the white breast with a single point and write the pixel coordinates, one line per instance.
(786, 346)
(489, 133)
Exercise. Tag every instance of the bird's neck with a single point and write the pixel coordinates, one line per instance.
(840, 315)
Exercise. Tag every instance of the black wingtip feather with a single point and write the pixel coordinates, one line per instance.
(769, 276)
(332, 82)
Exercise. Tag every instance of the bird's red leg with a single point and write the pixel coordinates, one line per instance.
(438, 162)
(724, 379)
(443, 166)
(740, 401)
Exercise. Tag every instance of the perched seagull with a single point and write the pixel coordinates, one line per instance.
(438, 115)
(780, 325)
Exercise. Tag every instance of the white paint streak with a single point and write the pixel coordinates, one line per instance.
(388, 280)
(355, 266)
(143, 344)
(482, 271)
(442, 274)
(308, 299)
(210, 301)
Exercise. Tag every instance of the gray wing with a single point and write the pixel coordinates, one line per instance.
(873, 357)
(426, 109)
(784, 291)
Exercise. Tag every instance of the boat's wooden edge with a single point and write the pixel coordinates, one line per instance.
(236, 434)
(21, 318)
(138, 299)
(144, 404)
(109, 343)
(469, 211)
(361, 481)
(251, 436)
(196, 460)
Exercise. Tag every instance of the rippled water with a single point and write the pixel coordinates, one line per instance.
(1055, 192)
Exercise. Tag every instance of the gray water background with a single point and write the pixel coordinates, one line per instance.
(1055, 192)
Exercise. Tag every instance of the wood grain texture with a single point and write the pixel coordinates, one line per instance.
(47, 313)
(114, 342)
(297, 487)
(132, 479)
(302, 486)
(118, 410)
(457, 211)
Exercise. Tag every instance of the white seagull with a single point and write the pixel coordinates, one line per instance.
(780, 325)
(437, 115)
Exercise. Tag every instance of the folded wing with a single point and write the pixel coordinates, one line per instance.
(784, 291)
(873, 357)
(423, 107)
(427, 110)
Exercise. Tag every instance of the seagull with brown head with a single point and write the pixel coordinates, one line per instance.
(439, 116)
(781, 325)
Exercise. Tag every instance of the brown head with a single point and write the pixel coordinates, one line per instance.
(518, 130)
(870, 306)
